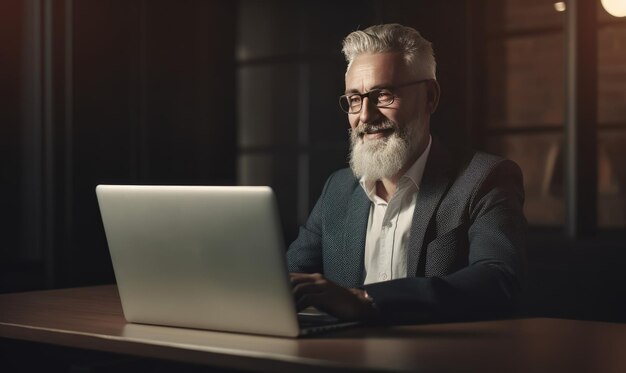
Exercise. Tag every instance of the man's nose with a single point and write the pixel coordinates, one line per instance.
(369, 111)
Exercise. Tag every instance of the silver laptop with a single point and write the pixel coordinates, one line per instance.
(203, 257)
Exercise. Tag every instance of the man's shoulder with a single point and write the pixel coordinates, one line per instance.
(477, 163)
(469, 169)
(476, 172)
(489, 163)
(341, 181)
(485, 161)
(341, 189)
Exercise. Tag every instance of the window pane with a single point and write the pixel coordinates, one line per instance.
(267, 28)
(328, 124)
(612, 73)
(525, 81)
(541, 158)
(267, 106)
(525, 89)
(519, 15)
(612, 121)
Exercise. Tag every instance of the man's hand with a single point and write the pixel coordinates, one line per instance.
(348, 304)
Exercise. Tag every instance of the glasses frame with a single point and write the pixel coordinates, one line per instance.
(370, 98)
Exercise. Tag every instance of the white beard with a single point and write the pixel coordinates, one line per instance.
(381, 158)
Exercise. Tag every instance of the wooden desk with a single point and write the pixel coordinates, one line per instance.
(91, 318)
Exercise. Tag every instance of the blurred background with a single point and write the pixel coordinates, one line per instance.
(201, 92)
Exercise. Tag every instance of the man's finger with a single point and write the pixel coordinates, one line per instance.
(297, 278)
(305, 288)
(308, 300)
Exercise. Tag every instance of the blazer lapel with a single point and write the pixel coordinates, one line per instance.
(435, 183)
(354, 236)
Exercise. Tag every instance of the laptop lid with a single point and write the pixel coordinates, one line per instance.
(200, 257)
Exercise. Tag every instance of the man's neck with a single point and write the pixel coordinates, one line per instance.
(386, 188)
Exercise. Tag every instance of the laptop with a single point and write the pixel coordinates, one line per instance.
(204, 257)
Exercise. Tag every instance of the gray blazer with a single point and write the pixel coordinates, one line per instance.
(466, 243)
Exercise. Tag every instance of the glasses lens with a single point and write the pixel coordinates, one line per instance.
(384, 98)
(350, 104)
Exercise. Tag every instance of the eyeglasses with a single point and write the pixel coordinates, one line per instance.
(353, 103)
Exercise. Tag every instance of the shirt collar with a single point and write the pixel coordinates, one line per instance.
(413, 174)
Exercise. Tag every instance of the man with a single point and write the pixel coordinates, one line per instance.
(410, 232)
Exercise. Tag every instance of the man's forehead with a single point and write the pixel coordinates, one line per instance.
(369, 71)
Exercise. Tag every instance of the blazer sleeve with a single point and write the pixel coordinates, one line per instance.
(488, 286)
(304, 255)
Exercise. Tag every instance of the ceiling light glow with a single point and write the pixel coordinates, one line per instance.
(616, 8)
(560, 6)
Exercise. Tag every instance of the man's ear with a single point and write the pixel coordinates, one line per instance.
(433, 94)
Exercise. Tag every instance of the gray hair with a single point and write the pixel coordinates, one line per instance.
(393, 38)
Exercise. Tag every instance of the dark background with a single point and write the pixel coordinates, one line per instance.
(245, 92)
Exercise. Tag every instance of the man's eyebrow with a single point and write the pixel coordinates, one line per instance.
(374, 88)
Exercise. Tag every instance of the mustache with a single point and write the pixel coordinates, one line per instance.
(361, 130)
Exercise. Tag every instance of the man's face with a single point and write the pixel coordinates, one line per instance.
(385, 139)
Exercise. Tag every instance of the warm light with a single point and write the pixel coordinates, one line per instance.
(615, 8)
(560, 6)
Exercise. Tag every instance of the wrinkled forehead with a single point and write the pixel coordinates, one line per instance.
(370, 71)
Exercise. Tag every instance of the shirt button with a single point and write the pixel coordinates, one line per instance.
(383, 276)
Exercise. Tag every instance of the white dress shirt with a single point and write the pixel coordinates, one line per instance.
(389, 225)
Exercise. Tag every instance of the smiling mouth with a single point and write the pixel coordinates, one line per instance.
(370, 131)
(376, 132)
